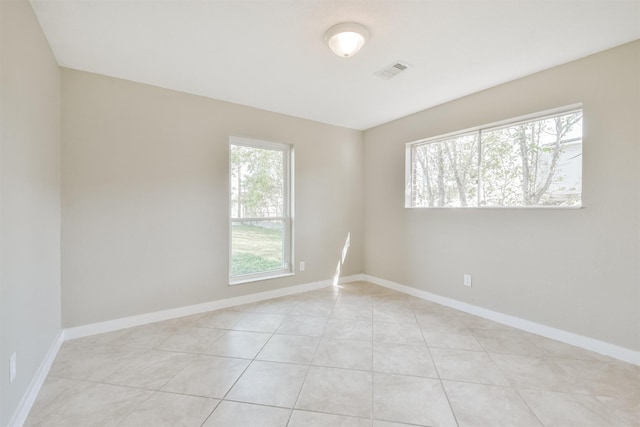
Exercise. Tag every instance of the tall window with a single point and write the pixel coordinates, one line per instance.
(260, 202)
(524, 163)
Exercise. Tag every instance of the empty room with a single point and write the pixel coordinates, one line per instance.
(285, 213)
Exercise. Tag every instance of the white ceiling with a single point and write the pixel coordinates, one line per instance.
(270, 54)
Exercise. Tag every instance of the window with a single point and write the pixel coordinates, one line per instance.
(523, 163)
(260, 217)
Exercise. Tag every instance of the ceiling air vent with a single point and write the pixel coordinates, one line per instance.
(392, 70)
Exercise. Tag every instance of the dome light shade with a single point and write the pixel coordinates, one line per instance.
(346, 39)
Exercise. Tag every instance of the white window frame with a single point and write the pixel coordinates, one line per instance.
(287, 216)
(479, 129)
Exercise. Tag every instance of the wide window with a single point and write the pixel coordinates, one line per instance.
(260, 202)
(535, 162)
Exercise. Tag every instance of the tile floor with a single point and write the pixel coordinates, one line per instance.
(355, 355)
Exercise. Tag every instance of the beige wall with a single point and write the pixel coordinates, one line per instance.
(576, 270)
(145, 197)
(30, 199)
(145, 209)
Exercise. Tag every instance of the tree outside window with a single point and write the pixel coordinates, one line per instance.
(260, 209)
(525, 164)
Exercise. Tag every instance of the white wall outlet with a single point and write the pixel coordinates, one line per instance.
(12, 368)
(302, 266)
(467, 280)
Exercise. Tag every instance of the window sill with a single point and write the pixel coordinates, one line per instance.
(499, 207)
(260, 278)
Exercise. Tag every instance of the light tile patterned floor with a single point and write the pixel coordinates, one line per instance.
(354, 355)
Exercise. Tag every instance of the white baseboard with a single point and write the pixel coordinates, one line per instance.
(592, 344)
(29, 397)
(354, 278)
(21, 413)
(143, 319)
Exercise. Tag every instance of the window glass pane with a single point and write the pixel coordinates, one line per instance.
(257, 246)
(523, 164)
(257, 182)
(445, 172)
(537, 163)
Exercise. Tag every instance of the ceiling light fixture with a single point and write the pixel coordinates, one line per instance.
(346, 39)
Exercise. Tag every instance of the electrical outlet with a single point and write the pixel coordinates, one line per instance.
(302, 266)
(467, 280)
(12, 368)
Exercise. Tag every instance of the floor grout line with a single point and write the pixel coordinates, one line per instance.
(435, 366)
(365, 295)
(295, 403)
(373, 382)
